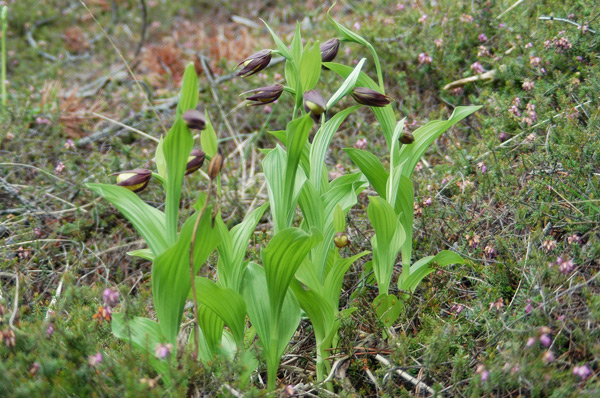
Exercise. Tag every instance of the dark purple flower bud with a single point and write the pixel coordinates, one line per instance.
(255, 63)
(329, 50)
(366, 96)
(134, 180)
(407, 138)
(194, 119)
(265, 95)
(195, 161)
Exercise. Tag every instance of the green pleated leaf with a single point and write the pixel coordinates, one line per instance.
(311, 206)
(339, 219)
(420, 269)
(147, 220)
(226, 303)
(318, 309)
(424, 136)
(385, 115)
(146, 254)
(233, 249)
(208, 138)
(171, 272)
(335, 277)
(177, 147)
(144, 334)
(310, 66)
(188, 96)
(320, 144)
(347, 86)
(281, 258)
(281, 47)
(389, 236)
(212, 328)
(371, 167)
(274, 168)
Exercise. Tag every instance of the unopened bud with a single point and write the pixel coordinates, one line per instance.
(264, 95)
(255, 63)
(134, 180)
(329, 50)
(314, 103)
(194, 119)
(341, 240)
(407, 138)
(215, 165)
(366, 96)
(195, 161)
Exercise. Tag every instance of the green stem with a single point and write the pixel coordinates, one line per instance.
(4, 28)
(377, 67)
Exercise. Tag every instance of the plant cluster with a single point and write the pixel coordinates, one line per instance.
(303, 265)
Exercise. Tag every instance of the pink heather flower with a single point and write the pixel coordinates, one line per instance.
(361, 143)
(59, 168)
(466, 18)
(583, 372)
(528, 308)
(400, 7)
(94, 360)
(69, 144)
(548, 245)
(428, 202)
(356, 26)
(535, 61)
(50, 329)
(573, 239)
(419, 166)
(484, 375)
(527, 85)
(111, 298)
(477, 67)
(163, 350)
(530, 341)
(438, 42)
(566, 267)
(545, 340)
(498, 304)
(530, 109)
(501, 25)
(424, 59)
(423, 18)
(489, 251)
(482, 37)
(503, 136)
(457, 91)
(529, 45)
(482, 167)
(548, 357)
(457, 309)
(267, 109)
(277, 76)
(483, 52)
(37, 232)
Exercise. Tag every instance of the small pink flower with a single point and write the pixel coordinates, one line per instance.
(477, 67)
(361, 143)
(530, 341)
(548, 357)
(466, 18)
(50, 329)
(69, 144)
(529, 45)
(423, 18)
(503, 136)
(347, 50)
(457, 91)
(267, 109)
(545, 340)
(566, 267)
(400, 7)
(548, 245)
(482, 167)
(438, 42)
(583, 372)
(59, 168)
(163, 350)
(94, 360)
(110, 297)
(482, 37)
(424, 59)
(356, 26)
(527, 85)
(535, 61)
(573, 239)
(428, 202)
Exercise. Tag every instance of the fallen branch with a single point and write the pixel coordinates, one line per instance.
(459, 83)
(566, 21)
(416, 382)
